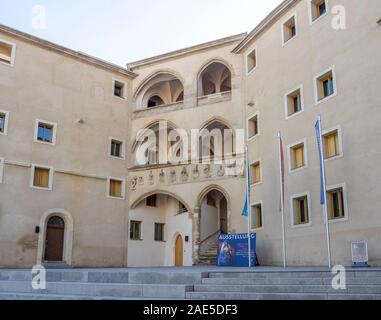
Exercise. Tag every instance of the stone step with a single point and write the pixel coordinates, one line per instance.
(89, 276)
(277, 296)
(99, 289)
(288, 289)
(288, 281)
(292, 275)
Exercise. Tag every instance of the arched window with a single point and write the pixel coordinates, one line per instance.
(216, 78)
(162, 89)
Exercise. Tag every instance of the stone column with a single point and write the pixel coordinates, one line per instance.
(196, 235)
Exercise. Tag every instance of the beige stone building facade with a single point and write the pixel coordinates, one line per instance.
(73, 190)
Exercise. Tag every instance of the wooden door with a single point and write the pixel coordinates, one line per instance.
(54, 243)
(179, 252)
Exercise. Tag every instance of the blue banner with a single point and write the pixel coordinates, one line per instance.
(233, 250)
(321, 160)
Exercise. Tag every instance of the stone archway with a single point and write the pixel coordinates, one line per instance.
(67, 249)
(223, 221)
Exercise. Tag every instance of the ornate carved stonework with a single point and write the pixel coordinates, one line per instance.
(173, 177)
(162, 176)
(134, 182)
(196, 172)
(184, 175)
(221, 171)
(207, 171)
(151, 179)
(141, 181)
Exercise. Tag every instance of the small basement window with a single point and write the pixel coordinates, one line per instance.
(294, 102)
(116, 188)
(301, 210)
(42, 177)
(318, 9)
(325, 85)
(253, 126)
(256, 217)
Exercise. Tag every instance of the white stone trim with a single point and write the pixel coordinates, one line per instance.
(343, 186)
(300, 88)
(13, 54)
(123, 148)
(123, 188)
(292, 198)
(68, 235)
(263, 223)
(258, 126)
(295, 16)
(54, 133)
(248, 72)
(340, 136)
(289, 147)
(6, 122)
(51, 175)
(125, 88)
(330, 69)
(312, 22)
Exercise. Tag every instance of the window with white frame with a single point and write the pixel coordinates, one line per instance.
(297, 155)
(336, 203)
(41, 177)
(256, 216)
(318, 9)
(332, 144)
(256, 172)
(2, 161)
(289, 29)
(251, 60)
(300, 209)
(116, 148)
(7, 52)
(294, 102)
(253, 126)
(116, 188)
(45, 132)
(4, 118)
(325, 85)
(120, 89)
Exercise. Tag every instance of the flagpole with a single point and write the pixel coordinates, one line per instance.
(248, 203)
(282, 200)
(324, 196)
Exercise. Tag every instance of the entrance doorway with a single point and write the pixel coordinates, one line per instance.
(54, 242)
(179, 251)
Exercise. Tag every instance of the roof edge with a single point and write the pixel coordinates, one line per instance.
(66, 51)
(184, 51)
(265, 23)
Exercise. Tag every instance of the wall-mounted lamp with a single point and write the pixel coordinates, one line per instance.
(251, 103)
(37, 230)
(186, 238)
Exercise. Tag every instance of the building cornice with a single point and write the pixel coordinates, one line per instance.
(66, 51)
(265, 24)
(185, 51)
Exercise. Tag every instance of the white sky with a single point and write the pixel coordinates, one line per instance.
(122, 31)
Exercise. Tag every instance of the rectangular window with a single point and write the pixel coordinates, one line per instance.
(159, 232)
(297, 154)
(7, 52)
(294, 102)
(41, 177)
(116, 188)
(135, 230)
(336, 206)
(301, 212)
(45, 132)
(318, 9)
(119, 89)
(253, 128)
(151, 201)
(325, 85)
(4, 115)
(116, 148)
(289, 29)
(252, 60)
(256, 173)
(331, 145)
(256, 217)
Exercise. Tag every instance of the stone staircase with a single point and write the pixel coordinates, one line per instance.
(297, 285)
(209, 257)
(198, 283)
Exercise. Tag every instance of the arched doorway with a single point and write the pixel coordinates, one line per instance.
(179, 251)
(54, 241)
